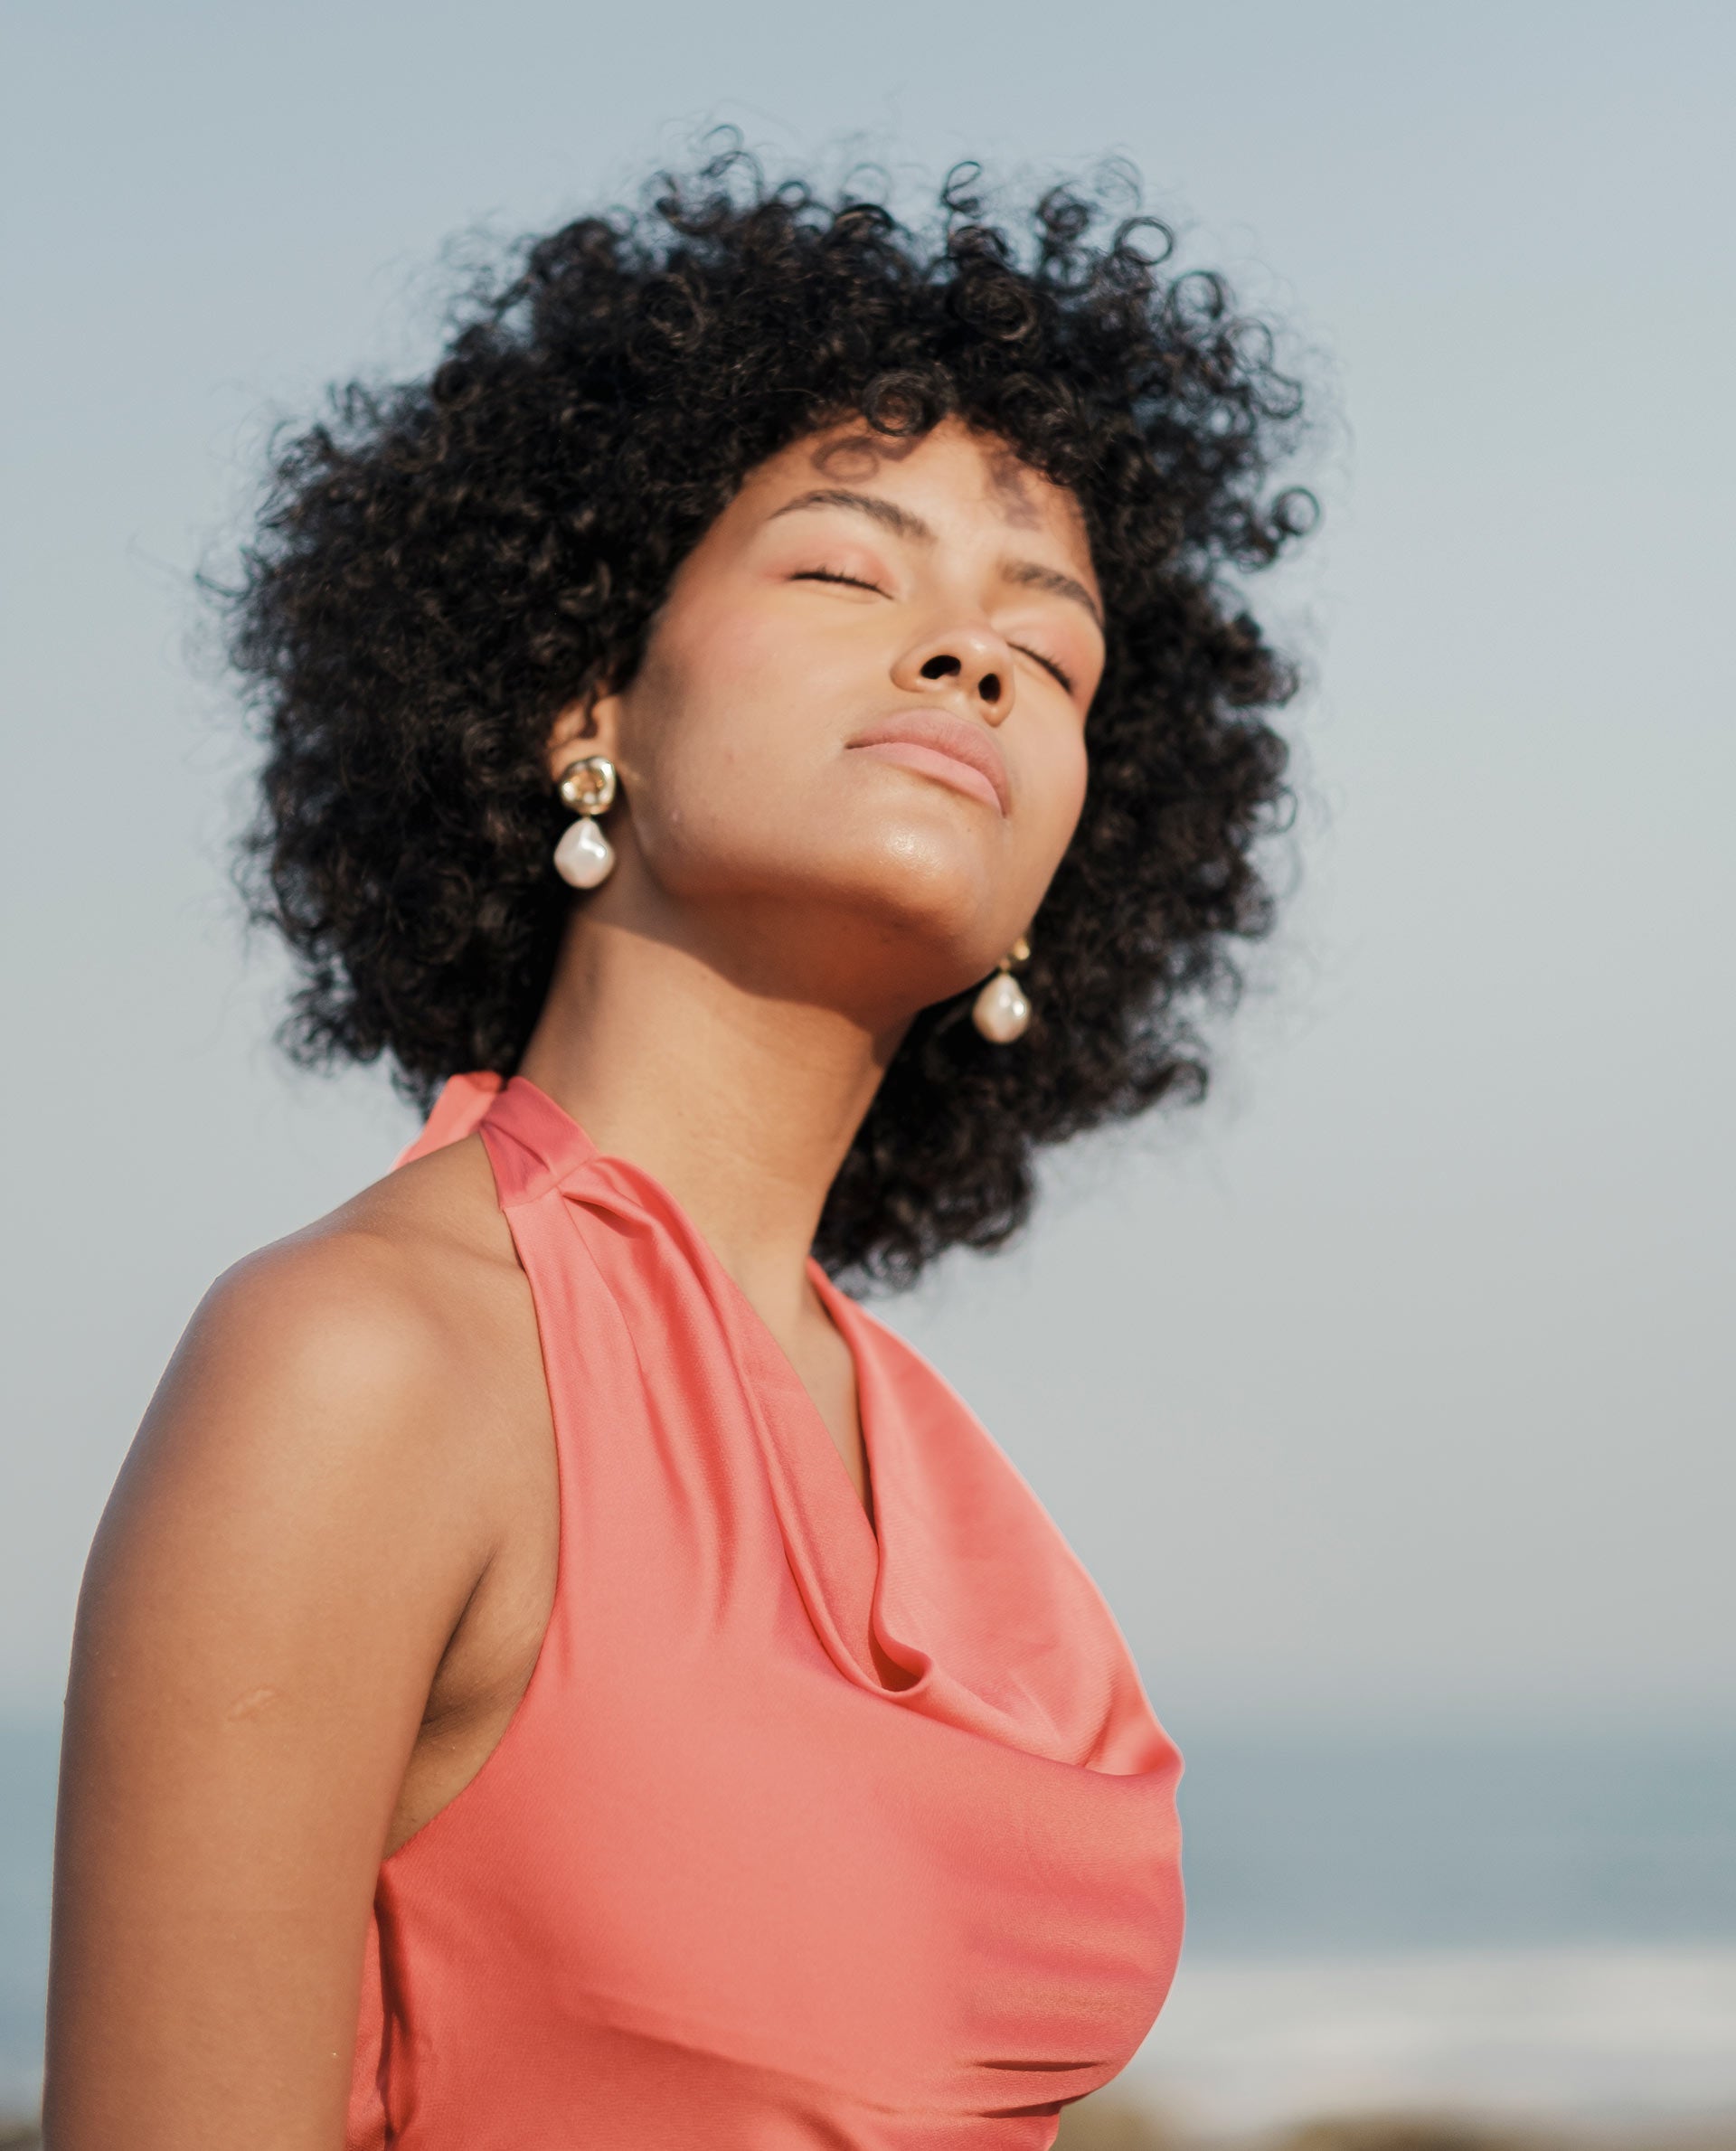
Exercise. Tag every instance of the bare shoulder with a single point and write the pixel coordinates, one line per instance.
(372, 1379)
(410, 1286)
(422, 1258)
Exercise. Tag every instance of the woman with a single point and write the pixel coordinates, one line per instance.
(763, 726)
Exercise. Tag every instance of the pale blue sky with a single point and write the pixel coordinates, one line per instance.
(1400, 1380)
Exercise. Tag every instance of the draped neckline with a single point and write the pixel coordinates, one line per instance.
(838, 1553)
(911, 1607)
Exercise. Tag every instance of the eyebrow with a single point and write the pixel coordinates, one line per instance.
(886, 512)
(903, 523)
(1032, 576)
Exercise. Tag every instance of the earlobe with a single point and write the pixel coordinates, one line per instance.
(586, 725)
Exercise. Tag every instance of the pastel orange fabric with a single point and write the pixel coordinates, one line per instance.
(808, 1832)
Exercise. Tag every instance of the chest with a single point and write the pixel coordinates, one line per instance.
(697, 1833)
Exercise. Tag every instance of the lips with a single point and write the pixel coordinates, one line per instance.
(957, 752)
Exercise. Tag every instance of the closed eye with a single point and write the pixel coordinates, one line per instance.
(857, 582)
(1048, 663)
(831, 575)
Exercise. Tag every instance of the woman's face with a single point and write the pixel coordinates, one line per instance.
(855, 745)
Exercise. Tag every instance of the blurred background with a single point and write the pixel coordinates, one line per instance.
(1389, 1396)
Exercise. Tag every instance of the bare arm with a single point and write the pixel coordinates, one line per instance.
(286, 1555)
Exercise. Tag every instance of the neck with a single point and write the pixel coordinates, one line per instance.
(741, 1103)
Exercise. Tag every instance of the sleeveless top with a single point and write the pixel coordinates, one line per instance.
(805, 1833)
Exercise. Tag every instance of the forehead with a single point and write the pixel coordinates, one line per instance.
(962, 481)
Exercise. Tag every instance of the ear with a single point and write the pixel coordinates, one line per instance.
(589, 725)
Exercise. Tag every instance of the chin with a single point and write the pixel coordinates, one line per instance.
(944, 918)
(928, 896)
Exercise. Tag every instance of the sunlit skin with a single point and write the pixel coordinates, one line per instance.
(321, 1585)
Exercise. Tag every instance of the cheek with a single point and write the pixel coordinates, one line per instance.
(1055, 795)
(717, 735)
(679, 729)
(731, 654)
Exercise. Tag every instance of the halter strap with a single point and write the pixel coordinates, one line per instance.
(458, 1111)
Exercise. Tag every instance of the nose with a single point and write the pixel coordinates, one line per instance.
(968, 663)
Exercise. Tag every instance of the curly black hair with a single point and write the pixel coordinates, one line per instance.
(439, 567)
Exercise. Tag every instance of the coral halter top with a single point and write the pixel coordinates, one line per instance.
(800, 1836)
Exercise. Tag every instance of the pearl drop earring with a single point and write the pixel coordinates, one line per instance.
(1001, 1012)
(584, 856)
